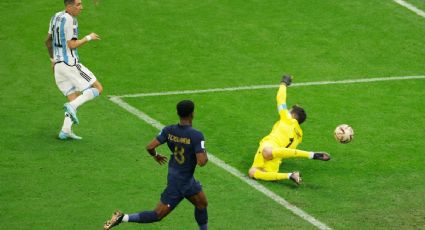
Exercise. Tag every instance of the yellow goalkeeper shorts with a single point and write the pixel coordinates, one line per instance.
(266, 165)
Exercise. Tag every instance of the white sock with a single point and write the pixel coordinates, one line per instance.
(67, 124)
(87, 95)
(289, 175)
(125, 218)
(311, 155)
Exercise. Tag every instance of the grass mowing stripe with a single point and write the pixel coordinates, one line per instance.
(348, 81)
(411, 7)
(297, 211)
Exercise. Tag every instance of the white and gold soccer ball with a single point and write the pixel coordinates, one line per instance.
(344, 133)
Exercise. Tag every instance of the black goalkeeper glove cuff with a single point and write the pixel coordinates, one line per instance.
(287, 80)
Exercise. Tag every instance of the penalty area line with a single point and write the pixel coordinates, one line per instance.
(215, 160)
(410, 7)
(253, 87)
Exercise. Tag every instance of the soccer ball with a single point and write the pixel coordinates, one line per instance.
(344, 133)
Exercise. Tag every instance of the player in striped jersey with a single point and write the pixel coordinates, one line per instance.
(73, 79)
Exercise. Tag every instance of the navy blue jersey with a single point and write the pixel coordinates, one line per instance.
(184, 142)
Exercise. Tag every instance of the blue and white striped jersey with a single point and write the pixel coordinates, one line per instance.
(64, 27)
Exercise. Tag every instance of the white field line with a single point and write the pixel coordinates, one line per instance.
(253, 87)
(297, 211)
(411, 7)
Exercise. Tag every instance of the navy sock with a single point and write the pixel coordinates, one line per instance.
(201, 216)
(143, 217)
(203, 227)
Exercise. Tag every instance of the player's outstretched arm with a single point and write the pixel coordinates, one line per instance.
(72, 44)
(151, 148)
(281, 97)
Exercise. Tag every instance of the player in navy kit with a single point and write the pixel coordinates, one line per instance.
(188, 150)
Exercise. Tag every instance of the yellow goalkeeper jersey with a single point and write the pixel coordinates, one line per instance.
(286, 132)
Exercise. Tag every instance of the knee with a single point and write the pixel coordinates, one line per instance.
(202, 204)
(160, 215)
(251, 172)
(99, 88)
(268, 153)
(162, 211)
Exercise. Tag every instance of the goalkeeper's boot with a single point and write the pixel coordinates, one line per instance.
(321, 156)
(72, 112)
(286, 79)
(71, 135)
(296, 177)
(115, 220)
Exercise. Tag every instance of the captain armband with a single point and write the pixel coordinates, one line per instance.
(282, 107)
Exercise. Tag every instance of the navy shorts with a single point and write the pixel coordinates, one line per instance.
(176, 190)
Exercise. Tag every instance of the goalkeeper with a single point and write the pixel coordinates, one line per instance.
(282, 142)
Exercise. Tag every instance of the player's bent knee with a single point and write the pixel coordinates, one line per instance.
(161, 215)
(202, 205)
(268, 153)
(99, 89)
(162, 210)
(98, 86)
(202, 202)
(73, 96)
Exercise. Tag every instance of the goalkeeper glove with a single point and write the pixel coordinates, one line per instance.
(287, 80)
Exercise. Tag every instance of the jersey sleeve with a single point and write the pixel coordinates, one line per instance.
(71, 28)
(199, 143)
(281, 103)
(162, 136)
(75, 29)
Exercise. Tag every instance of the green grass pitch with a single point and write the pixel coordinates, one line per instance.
(375, 182)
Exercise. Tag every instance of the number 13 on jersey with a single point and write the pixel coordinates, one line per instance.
(179, 154)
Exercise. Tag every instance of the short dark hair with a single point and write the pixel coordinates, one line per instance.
(68, 2)
(185, 108)
(299, 113)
